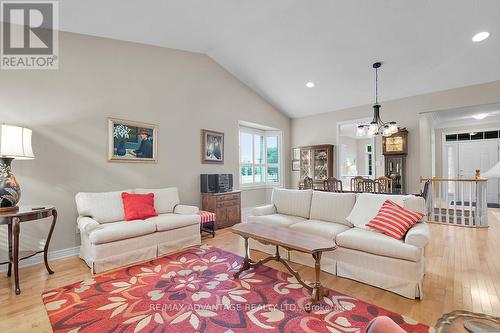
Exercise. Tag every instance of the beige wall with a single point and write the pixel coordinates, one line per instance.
(320, 129)
(180, 91)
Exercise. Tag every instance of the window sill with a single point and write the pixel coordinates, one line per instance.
(258, 187)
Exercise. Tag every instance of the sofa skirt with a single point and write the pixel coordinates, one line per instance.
(402, 277)
(171, 240)
(108, 256)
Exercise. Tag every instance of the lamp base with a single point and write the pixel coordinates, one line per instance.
(10, 192)
(7, 210)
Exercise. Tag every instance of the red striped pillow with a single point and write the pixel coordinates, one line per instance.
(394, 220)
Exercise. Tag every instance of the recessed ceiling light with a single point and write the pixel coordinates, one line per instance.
(479, 37)
(310, 84)
(480, 116)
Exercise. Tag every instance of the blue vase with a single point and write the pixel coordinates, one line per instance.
(10, 192)
(120, 150)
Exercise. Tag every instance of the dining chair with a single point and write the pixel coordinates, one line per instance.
(367, 185)
(308, 183)
(332, 184)
(384, 184)
(355, 182)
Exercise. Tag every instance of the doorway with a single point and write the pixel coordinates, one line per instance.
(356, 155)
(461, 158)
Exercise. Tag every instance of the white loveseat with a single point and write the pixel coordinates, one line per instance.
(362, 254)
(107, 241)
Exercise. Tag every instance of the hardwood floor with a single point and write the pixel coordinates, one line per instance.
(463, 272)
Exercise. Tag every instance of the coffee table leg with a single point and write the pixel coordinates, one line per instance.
(317, 291)
(246, 261)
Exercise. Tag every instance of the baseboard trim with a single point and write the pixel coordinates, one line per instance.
(38, 259)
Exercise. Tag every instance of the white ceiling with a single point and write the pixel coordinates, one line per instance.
(276, 46)
(464, 116)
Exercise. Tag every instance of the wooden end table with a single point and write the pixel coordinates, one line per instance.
(289, 240)
(13, 221)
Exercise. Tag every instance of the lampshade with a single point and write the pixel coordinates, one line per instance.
(15, 142)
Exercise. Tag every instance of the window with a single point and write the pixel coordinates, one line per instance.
(472, 136)
(260, 157)
(369, 160)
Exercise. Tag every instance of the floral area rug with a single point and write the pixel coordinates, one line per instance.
(194, 291)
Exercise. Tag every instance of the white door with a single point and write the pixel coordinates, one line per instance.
(480, 155)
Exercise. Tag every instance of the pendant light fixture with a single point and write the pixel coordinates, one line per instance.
(377, 126)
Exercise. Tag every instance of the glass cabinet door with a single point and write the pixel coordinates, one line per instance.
(395, 171)
(305, 163)
(320, 164)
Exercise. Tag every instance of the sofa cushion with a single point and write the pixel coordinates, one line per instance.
(367, 206)
(376, 243)
(332, 207)
(138, 206)
(324, 229)
(276, 219)
(166, 222)
(165, 198)
(115, 231)
(292, 202)
(103, 207)
(393, 220)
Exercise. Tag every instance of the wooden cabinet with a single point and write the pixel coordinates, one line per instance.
(227, 207)
(316, 162)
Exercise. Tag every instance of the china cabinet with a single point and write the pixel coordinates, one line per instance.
(316, 162)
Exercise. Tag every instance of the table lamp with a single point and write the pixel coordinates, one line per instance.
(15, 143)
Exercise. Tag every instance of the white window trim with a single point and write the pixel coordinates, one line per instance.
(265, 133)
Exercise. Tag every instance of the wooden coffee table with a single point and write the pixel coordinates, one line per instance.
(289, 240)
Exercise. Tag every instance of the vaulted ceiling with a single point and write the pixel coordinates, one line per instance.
(276, 46)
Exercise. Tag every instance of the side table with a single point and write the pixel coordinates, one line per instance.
(13, 221)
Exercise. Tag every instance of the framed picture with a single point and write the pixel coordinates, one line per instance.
(212, 147)
(296, 165)
(132, 141)
(296, 154)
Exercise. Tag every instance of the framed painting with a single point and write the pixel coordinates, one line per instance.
(132, 141)
(212, 147)
(296, 154)
(296, 165)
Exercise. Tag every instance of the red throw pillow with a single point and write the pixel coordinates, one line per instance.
(394, 220)
(138, 206)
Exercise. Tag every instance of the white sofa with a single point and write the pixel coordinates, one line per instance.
(362, 254)
(107, 241)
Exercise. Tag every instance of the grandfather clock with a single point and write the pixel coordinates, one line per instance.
(395, 149)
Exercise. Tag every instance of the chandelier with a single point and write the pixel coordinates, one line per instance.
(377, 126)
